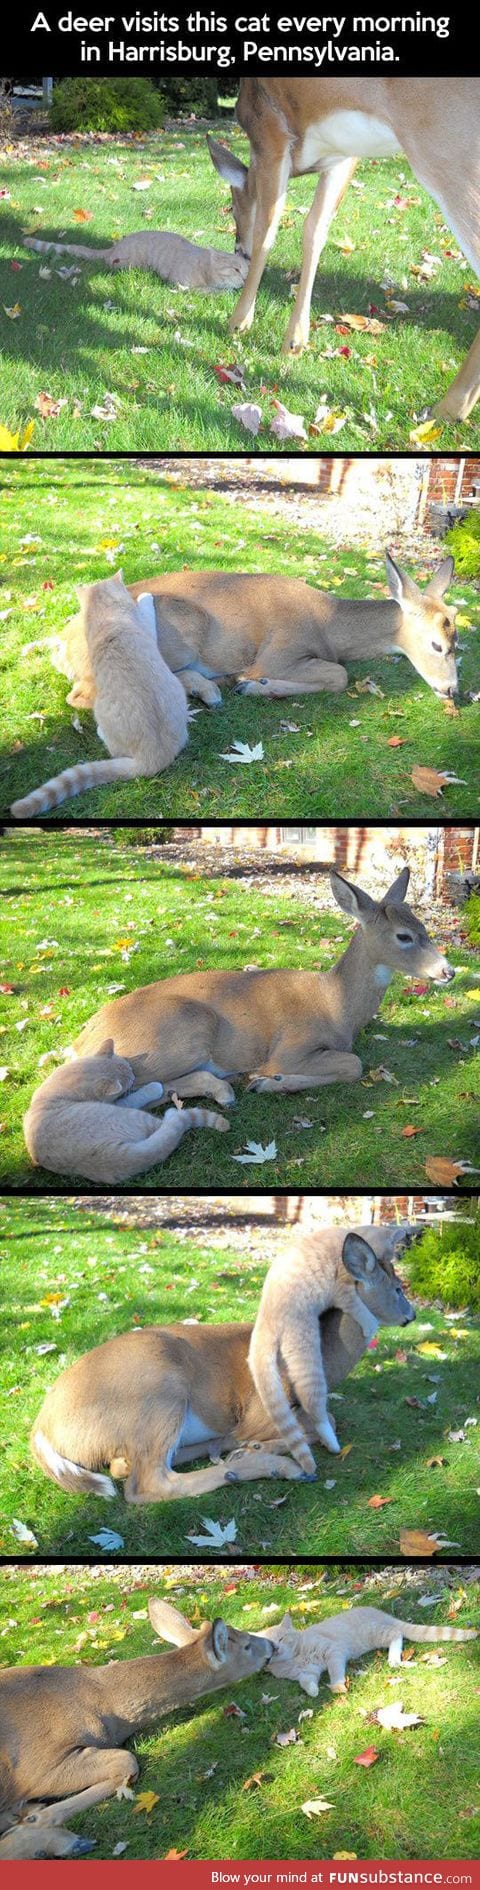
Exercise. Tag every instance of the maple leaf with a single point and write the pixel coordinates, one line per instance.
(368, 1757)
(417, 1542)
(430, 781)
(169, 1856)
(313, 1807)
(441, 1169)
(379, 1502)
(145, 1803)
(83, 216)
(394, 1719)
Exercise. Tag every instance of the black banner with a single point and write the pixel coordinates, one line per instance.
(64, 41)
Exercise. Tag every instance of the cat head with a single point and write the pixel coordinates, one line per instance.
(102, 1077)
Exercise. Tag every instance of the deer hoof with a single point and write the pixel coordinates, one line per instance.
(308, 1476)
(231, 1476)
(83, 1845)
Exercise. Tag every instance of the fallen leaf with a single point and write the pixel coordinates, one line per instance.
(342, 1856)
(16, 442)
(364, 323)
(286, 425)
(429, 781)
(368, 1757)
(417, 1542)
(249, 415)
(108, 1540)
(431, 1351)
(435, 1463)
(169, 1856)
(22, 1534)
(379, 1502)
(83, 216)
(234, 1712)
(313, 1807)
(256, 1779)
(145, 1802)
(396, 741)
(394, 1719)
(256, 1153)
(233, 373)
(218, 1534)
(242, 752)
(287, 1738)
(410, 1131)
(47, 406)
(440, 1168)
(14, 311)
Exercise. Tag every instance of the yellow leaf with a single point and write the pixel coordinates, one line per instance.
(145, 1802)
(341, 1856)
(427, 431)
(123, 944)
(346, 1450)
(14, 311)
(108, 544)
(428, 1350)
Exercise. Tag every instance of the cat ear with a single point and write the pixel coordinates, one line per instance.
(358, 1257)
(118, 577)
(82, 591)
(106, 1049)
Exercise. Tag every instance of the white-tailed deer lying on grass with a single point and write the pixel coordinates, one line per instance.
(297, 126)
(278, 636)
(286, 1030)
(151, 1399)
(62, 1729)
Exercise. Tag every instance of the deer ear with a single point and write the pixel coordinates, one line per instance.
(397, 892)
(402, 587)
(351, 898)
(82, 591)
(118, 577)
(105, 1049)
(170, 1624)
(228, 166)
(441, 579)
(218, 1640)
(358, 1257)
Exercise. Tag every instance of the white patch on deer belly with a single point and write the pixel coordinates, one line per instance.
(345, 134)
(382, 976)
(193, 1431)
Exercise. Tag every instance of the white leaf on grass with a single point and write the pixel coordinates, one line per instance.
(394, 1719)
(314, 1806)
(108, 1540)
(22, 1534)
(218, 1534)
(254, 1152)
(286, 425)
(119, 1849)
(242, 752)
(249, 415)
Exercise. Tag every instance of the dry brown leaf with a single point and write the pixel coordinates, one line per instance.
(440, 1168)
(410, 1130)
(379, 1502)
(168, 1855)
(256, 1779)
(365, 323)
(417, 1542)
(83, 216)
(431, 781)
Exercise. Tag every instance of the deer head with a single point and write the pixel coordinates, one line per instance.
(393, 937)
(427, 632)
(377, 1283)
(241, 178)
(230, 1653)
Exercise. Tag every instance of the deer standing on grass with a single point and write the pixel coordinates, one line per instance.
(288, 1030)
(157, 1397)
(63, 1728)
(278, 636)
(296, 126)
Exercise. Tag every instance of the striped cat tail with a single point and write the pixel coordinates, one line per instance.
(76, 780)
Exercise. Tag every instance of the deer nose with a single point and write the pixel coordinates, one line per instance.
(448, 974)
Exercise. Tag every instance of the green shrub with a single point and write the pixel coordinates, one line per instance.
(106, 105)
(190, 95)
(446, 1264)
(464, 542)
(471, 919)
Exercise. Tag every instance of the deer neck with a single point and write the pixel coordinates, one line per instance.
(367, 627)
(137, 1692)
(360, 985)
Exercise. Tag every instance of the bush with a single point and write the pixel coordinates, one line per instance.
(471, 919)
(464, 542)
(106, 105)
(446, 1265)
(190, 95)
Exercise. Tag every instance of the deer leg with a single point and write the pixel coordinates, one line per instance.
(197, 685)
(271, 186)
(101, 1768)
(306, 678)
(157, 1483)
(329, 192)
(325, 1066)
(463, 393)
(202, 1083)
(461, 212)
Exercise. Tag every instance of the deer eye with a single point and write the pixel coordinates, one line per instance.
(404, 938)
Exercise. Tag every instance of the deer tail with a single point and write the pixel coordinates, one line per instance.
(69, 249)
(70, 1476)
(63, 787)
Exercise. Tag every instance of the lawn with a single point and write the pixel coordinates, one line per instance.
(112, 1276)
(67, 524)
(87, 917)
(77, 336)
(207, 1802)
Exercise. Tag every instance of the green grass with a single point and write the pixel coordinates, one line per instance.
(419, 1800)
(79, 341)
(114, 1276)
(87, 895)
(322, 763)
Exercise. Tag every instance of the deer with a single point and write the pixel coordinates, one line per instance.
(63, 1729)
(278, 636)
(299, 126)
(286, 1030)
(155, 1398)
